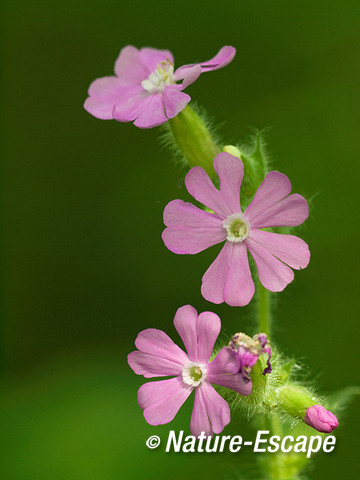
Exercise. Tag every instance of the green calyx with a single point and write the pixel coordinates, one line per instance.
(192, 137)
(295, 400)
(255, 160)
(275, 392)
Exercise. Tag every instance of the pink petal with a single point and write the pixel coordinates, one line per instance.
(273, 274)
(153, 366)
(289, 249)
(291, 211)
(156, 342)
(200, 186)
(214, 279)
(228, 279)
(321, 419)
(221, 59)
(152, 112)
(188, 76)
(174, 101)
(233, 382)
(103, 95)
(224, 56)
(162, 400)
(199, 419)
(208, 328)
(209, 406)
(190, 230)
(105, 86)
(230, 170)
(239, 288)
(178, 213)
(151, 57)
(223, 371)
(185, 323)
(129, 66)
(99, 108)
(226, 362)
(217, 408)
(273, 188)
(199, 333)
(130, 105)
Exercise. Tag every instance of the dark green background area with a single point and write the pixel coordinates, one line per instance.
(84, 266)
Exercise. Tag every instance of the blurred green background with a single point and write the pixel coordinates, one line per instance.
(84, 267)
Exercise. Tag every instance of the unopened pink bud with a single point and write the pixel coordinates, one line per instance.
(321, 419)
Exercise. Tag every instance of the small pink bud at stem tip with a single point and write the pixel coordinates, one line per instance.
(321, 419)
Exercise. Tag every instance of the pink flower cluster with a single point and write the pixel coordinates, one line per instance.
(148, 91)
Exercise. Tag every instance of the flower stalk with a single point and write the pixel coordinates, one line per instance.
(264, 309)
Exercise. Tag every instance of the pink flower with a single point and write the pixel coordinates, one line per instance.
(321, 419)
(158, 356)
(191, 230)
(145, 89)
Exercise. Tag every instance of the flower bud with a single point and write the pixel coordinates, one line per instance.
(300, 403)
(321, 419)
(232, 150)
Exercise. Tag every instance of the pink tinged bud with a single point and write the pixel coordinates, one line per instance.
(321, 419)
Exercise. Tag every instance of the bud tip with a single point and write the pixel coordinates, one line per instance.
(321, 419)
(232, 150)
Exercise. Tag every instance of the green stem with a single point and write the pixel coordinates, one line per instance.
(264, 309)
(280, 466)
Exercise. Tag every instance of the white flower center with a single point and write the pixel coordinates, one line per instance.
(237, 227)
(160, 78)
(194, 374)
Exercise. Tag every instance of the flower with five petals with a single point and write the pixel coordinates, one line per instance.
(159, 356)
(191, 230)
(145, 88)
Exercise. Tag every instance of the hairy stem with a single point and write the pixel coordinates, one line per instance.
(264, 309)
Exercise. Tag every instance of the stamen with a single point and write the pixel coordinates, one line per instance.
(237, 227)
(194, 374)
(161, 77)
